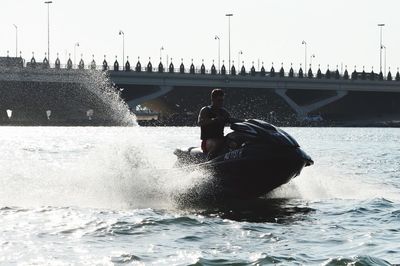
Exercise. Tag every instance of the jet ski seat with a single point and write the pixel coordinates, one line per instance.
(196, 151)
(192, 155)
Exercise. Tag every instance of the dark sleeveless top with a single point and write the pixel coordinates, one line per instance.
(216, 129)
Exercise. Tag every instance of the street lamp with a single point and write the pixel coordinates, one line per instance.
(380, 46)
(229, 34)
(311, 57)
(239, 53)
(161, 49)
(76, 45)
(48, 28)
(123, 48)
(16, 40)
(384, 64)
(219, 52)
(305, 55)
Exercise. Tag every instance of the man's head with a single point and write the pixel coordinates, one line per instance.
(217, 97)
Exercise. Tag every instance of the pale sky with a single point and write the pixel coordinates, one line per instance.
(336, 31)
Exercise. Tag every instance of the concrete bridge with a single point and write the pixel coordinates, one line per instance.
(201, 80)
(163, 81)
(167, 81)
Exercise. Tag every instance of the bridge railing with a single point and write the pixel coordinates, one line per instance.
(199, 70)
(280, 74)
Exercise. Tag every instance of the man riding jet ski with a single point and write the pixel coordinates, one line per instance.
(253, 159)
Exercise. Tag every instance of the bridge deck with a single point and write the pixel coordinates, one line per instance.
(198, 80)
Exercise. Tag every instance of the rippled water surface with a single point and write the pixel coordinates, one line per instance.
(107, 196)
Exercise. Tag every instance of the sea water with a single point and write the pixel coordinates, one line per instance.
(108, 196)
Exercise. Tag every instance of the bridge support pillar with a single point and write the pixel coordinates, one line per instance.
(164, 89)
(302, 111)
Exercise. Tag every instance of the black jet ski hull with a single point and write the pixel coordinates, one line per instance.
(256, 158)
(251, 172)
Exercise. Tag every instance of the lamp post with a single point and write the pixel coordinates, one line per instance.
(161, 49)
(229, 34)
(305, 55)
(48, 28)
(76, 45)
(239, 53)
(219, 52)
(16, 40)
(123, 48)
(380, 46)
(384, 60)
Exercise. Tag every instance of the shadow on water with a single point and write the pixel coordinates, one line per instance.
(281, 211)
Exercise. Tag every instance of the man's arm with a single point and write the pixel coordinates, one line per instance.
(204, 119)
(232, 120)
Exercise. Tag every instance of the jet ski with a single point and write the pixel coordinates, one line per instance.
(257, 157)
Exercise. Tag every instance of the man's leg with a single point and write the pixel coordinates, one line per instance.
(213, 147)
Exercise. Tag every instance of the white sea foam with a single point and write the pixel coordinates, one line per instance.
(319, 183)
(93, 167)
(90, 167)
(98, 83)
